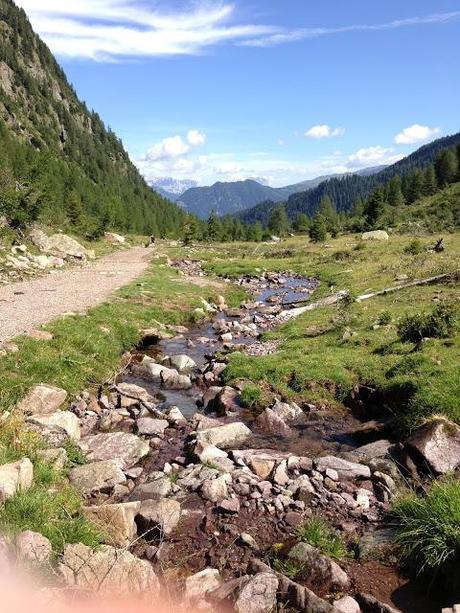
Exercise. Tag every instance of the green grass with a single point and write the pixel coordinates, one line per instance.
(81, 354)
(429, 528)
(251, 396)
(318, 533)
(316, 364)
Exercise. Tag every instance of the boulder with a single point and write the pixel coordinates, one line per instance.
(149, 369)
(437, 444)
(114, 239)
(63, 244)
(320, 569)
(344, 468)
(287, 412)
(270, 423)
(107, 570)
(151, 426)
(375, 235)
(97, 477)
(347, 604)
(43, 399)
(152, 490)
(258, 595)
(15, 477)
(33, 547)
(371, 451)
(215, 489)
(39, 239)
(171, 379)
(369, 603)
(116, 521)
(115, 445)
(182, 363)
(57, 458)
(199, 584)
(66, 420)
(159, 516)
(207, 454)
(132, 394)
(225, 401)
(224, 437)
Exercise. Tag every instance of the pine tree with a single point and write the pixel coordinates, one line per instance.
(446, 167)
(278, 223)
(190, 229)
(394, 194)
(318, 231)
(301, 223)
(414, 186)
(214, 228)
(430, 185)
(375, 208)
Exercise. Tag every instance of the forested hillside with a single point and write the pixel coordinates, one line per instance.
(58, 161)
(346, 191)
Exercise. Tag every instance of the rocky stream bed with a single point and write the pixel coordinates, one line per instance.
(197, 493)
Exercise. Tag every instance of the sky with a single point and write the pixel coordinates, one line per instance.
(277, 90)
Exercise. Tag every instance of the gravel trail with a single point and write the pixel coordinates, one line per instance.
(27, 304)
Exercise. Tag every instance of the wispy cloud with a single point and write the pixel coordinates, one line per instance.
(286, 36)
(324, 131)
(109, 30)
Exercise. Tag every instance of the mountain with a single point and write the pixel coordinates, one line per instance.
(58, 162)
(345, 190)
(171, 188)
(233, 197)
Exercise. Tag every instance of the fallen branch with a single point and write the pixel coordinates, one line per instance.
(329, 300)
(389, 290)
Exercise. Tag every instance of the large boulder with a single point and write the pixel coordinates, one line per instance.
(287, 412)
(375, 235)
(15, 477)
(437, 444)
(271, 423)
(114, 239)
(63, 244)
(150, 426)
(107, 570)
(158, 487)
(97, 477)
(126, 447)
(167, 377)
(258, 594)
(199, 584)
(224, 437)
(320, 569)
(116, 521)
(182, 363)
(66, 420)
(158, 516)
(132, 394)
(215, 489)
(43, 399)
(33, 547)
(344, 468)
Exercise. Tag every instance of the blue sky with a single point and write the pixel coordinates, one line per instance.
(282, 90)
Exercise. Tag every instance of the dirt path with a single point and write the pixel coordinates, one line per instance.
(27, 304)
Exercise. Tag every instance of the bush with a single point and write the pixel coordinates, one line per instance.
(414, 247)
(384, 318)
(318, 533)
(251, 396)
(438, 324)
(429, 529)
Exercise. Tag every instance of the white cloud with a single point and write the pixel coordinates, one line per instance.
(107, 30)
(324, 131)
(196, 138)
(416, 134)
(372, 156)
(168, 149)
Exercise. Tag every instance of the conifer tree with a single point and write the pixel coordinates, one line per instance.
(318, 231)
(278, 223)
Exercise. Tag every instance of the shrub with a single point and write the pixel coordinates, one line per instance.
(251, 396)
(429, 529)
(384, 318)
(318, 533)
(440, 323)
(414, 247)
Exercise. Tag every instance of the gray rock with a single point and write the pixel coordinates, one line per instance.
(15, 477)
(215, 489)
(224, 437)
(65, 420)
(369, 603)
(33, 547)
(318, 567)
(42, 399)
(344, 468)
(131, 394)
(161, 516)
(107, 570)
(57, 458)
(287, 412)
(437, 443)
(199, 584)
(96, 477)
(63, 244)
(375, 235)
(347, 604)
(249, 541)
(151, 426)
(182, 363)
(152, 490)
(270, 423)
(116, 521)
(115, 445)
(258, 595)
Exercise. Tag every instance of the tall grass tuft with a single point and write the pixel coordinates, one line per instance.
(318, 533)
